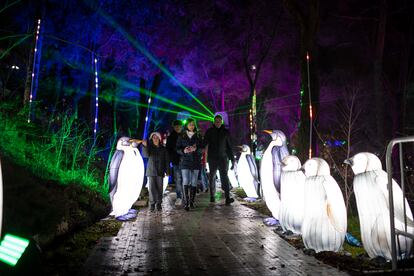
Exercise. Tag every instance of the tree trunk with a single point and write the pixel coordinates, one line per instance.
(308, 26)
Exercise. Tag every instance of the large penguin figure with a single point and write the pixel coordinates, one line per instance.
(247, 173)
(292, 195)
(270, 171)
(371, 193)
(325, 222)
(126, 176)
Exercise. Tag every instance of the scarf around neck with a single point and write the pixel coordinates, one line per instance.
(190, 134)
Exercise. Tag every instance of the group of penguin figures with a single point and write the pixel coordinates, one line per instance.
(307, 200)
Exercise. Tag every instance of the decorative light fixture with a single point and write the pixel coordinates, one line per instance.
(95, 66)
(12, 248)
(33, 85)
(310, 108)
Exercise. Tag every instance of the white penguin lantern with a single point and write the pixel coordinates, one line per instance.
(371, 193)
(126, 176)
(292, 195)
(270, 170)
(246, 178)
(325, 221)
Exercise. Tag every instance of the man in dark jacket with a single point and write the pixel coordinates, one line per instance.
(175, 159)
(217, 139)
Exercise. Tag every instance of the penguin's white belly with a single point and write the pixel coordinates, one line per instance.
(232, 176)
(292, 199)
(130, 179)
(245, 177)
(374, 219)
(317, 230)
(270, 194)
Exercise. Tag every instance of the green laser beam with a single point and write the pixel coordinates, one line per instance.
(144, 51)
(158, 108)
(146, 92)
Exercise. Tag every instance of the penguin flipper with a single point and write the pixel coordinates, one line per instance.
(114, 168)
(381, 180)
(252, 166)
(335, 205)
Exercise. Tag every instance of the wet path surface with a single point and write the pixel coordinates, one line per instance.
(212, 239)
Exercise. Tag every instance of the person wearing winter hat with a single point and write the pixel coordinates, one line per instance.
(157, 168)
(189, 146)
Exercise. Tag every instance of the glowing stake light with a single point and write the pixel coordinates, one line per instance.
(12, 248)
(95, 66)
(310, 107)
(33, 84)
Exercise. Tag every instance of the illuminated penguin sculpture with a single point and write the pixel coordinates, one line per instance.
(270, 171)
(292, 195)
(232, 175)
(325, 222)
(126, 176)
(371, 193)
(247, 172)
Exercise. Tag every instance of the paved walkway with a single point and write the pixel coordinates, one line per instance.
(212, 239)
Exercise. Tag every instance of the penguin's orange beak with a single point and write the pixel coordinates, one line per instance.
(135, 141)
(267, 131)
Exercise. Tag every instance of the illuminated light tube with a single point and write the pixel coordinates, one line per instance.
(95, 128)
(12, 248)
(32, 86)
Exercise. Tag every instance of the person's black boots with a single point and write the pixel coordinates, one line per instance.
(229, 201)
(186, 198)
(192, 196)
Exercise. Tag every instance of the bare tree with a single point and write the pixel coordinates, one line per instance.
(349, 113)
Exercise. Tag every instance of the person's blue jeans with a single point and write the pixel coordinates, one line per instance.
(204, 178)
(190, 177)
(178, 181)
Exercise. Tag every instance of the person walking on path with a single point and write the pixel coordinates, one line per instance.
(189, 146)
(218, 141)
(157, 168)
(175, 159)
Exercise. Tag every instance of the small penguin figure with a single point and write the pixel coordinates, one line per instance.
(325, 221)
(292, 195)
(231, 173)
(126, 176)
(247, 172)
(371, 193)
(270, 171)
